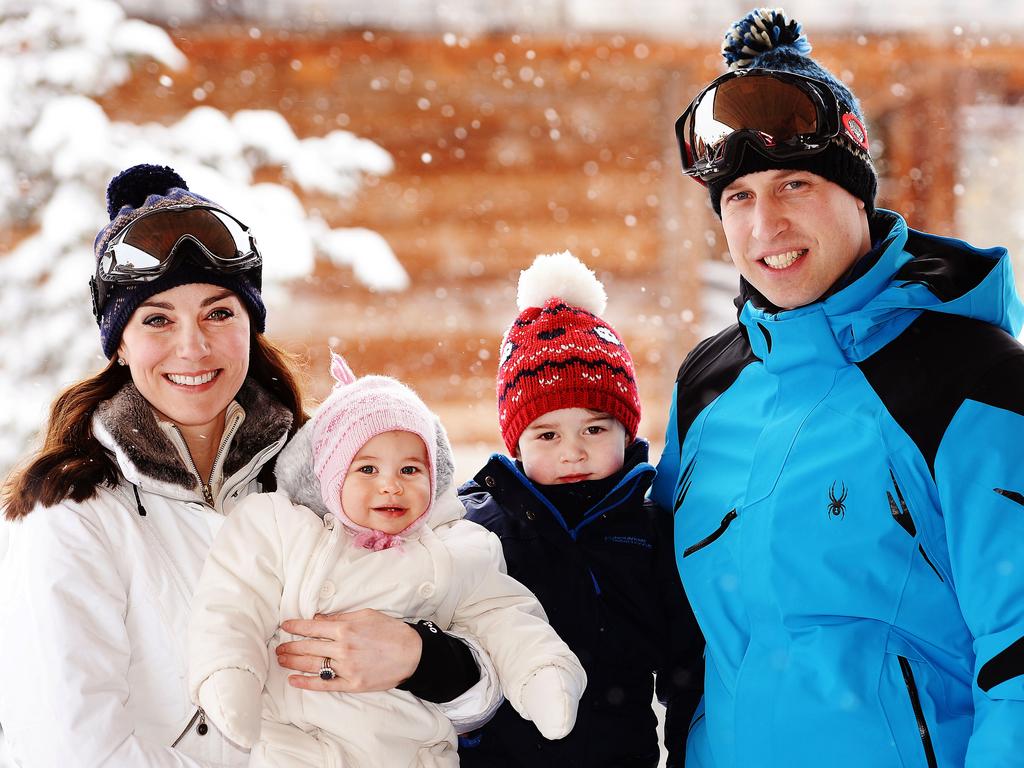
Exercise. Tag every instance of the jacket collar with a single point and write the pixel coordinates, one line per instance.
(149, 456)
(515, 492)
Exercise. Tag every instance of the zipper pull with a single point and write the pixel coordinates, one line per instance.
(207, 494)
(202, 729)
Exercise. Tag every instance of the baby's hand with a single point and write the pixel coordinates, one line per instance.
(231, 700)
(550, 699)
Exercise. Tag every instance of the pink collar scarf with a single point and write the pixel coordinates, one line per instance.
(372, 539)
(377, 540)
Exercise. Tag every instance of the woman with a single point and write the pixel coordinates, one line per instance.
(115, 514)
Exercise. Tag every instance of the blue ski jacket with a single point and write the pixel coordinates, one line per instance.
(847, 483)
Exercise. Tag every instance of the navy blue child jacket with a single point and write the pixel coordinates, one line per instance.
(607, 579)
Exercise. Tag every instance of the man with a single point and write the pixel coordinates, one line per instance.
(844, 463)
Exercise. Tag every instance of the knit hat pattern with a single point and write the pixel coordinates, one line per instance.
(137, 191)
(357, 410)
(767, 39)
(559, 353)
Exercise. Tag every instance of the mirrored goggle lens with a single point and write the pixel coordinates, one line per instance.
(778, 112)
(147, 245)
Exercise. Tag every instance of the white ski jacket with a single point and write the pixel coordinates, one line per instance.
(95, 599)
(95, 596)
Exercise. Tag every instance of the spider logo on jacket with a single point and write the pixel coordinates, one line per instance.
(837, 506)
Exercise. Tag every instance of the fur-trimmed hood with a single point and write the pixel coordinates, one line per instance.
(297, 480)
(128, 427)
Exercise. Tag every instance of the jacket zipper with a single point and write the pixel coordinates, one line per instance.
(901, 514)
(207, 492)
(202, 729)
(225, 440)
(915, 701)
(729, 517)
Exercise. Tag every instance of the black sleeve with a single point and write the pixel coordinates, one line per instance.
(446, 670)
(680, 679)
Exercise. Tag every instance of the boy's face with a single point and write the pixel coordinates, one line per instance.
(570, 445)
(387, 486)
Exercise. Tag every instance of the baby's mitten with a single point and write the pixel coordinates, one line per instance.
(231, 700)
(550, 698)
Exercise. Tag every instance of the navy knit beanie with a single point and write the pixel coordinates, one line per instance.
(130, 194)
(766, 39)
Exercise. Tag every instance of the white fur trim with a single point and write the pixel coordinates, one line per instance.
(564, 276)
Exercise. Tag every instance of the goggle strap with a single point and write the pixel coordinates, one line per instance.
(688, 156)
(94, 291)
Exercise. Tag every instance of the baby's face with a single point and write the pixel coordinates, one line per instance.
(570, 445)
(388, 483)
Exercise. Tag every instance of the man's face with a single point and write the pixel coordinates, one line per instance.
(792, 234)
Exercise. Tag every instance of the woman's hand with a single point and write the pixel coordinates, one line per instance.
(369, 651)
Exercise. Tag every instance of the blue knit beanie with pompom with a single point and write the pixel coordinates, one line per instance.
(766, 39)
(139, 190)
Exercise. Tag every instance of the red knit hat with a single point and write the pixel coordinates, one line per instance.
(560, 354)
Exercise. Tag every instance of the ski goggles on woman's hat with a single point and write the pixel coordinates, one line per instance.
(148, 247)
(779, 114)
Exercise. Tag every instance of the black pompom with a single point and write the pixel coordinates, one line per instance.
(133, 185)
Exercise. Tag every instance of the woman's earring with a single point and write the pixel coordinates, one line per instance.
(121, 362)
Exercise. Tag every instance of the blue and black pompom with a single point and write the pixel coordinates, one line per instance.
(133, 185)
(760, 31)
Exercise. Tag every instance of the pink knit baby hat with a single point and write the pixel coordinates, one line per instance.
(357, 410)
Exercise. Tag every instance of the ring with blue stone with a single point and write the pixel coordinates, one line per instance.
(326, 673)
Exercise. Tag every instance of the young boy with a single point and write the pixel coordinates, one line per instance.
(576, 529)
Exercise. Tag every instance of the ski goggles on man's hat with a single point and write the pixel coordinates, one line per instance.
(148, 247)
(779, 114)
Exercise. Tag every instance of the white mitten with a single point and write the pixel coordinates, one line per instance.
(550, 699)
(231, 699)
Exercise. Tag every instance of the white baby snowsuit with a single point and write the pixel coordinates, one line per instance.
(275, 559)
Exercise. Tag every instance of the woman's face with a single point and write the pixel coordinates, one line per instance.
(188, 352)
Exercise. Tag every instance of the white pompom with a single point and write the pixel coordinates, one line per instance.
(564, 276)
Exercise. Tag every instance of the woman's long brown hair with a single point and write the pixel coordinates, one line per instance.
(71, 463)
